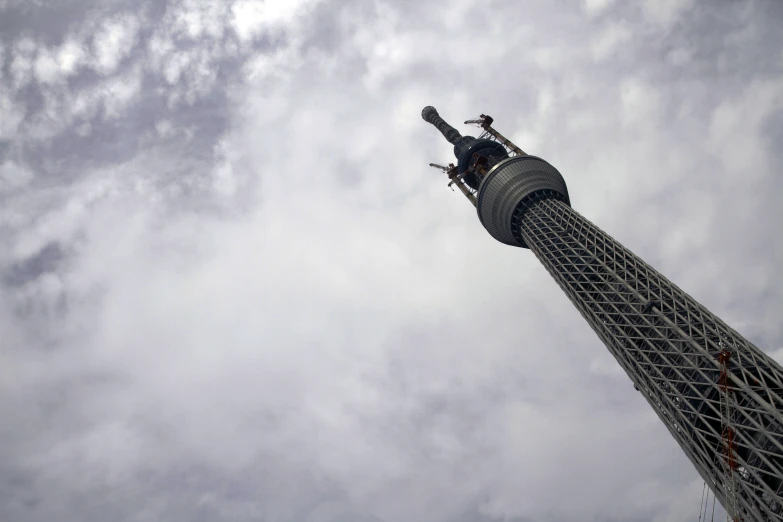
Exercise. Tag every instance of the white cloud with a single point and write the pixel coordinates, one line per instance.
(734, 133)
(46, 68)
(680, 57)
(665, 12)
(62, 109)
(13, 176)
(71, 55)
(49, 65)
(548, 58)
(594, 7)
(164, 128)
(606, 43)
(174, 66)
(160, 47)
(22, 62)
(114, 41)
(119, 92)
(273, 67)
(189, 70)
(250, 18)
(640, 102)
(199, 18)
(13, 114)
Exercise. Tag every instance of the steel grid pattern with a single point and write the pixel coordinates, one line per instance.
(668, 345)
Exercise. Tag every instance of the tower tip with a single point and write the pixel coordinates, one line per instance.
(428, 111)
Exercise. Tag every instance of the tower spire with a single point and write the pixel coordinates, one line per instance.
(430, 115)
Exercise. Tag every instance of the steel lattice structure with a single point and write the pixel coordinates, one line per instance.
(718, 394)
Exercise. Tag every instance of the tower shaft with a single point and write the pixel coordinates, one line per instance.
(719, 396)
(670, 346)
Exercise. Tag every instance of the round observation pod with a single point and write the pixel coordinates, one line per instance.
(509, 188)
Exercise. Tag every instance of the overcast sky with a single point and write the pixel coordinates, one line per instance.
(231, 288)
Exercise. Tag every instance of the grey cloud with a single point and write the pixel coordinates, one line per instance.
(275, 311)
(44, 261)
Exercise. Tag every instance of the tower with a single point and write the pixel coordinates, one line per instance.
(719, 396)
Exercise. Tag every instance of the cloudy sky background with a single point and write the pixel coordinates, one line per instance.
(231, 288)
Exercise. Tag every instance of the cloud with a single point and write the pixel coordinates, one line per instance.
(114, 41)
(665, 12)
(13, 176)
(593, 7)
(119, 92)
(13, 114)
(250, 18)
(54, 65)
(70, 56)
(233, 290)
(640, 102)
(22, 62)
(198, 18)
(608, 40)
(45, 67)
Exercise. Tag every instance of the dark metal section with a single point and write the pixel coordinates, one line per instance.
(430, 115)
(492, 150)
(485, 122)
(465, 147)
(675, 352)
(509, 187)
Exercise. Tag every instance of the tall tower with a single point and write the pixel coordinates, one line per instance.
(719, 396)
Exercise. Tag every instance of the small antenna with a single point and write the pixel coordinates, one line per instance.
(482, 121)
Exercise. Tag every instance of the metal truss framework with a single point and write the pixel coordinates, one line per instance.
(697, 373)
(719, 396)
